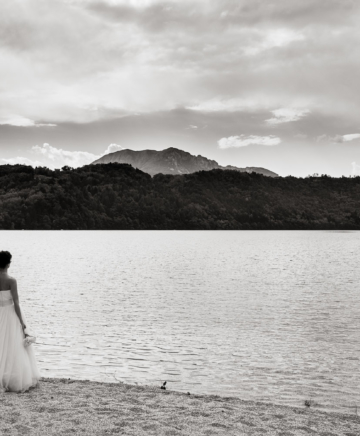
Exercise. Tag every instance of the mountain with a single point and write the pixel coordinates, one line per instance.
(171, 161)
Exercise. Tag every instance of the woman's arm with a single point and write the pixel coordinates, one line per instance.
(15, 296)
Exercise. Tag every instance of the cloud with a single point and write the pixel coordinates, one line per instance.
(355, 169)
(90, 60)
(19, 121)
(269, 39)
(53, 157)
(218, 105)
(339, 138)
(113, 148)
(253, 103)
(286, 115)
(58, 157)
(351, 137)
(322, 137)
(244, 141)
(22, 161)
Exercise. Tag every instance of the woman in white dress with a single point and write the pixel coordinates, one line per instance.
(18, 369)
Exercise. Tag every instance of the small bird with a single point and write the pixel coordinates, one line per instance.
(163, 386)
(307, 403)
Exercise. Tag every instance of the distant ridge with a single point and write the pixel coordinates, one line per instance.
(171, 161)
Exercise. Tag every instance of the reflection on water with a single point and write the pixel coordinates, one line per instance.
(272, 316)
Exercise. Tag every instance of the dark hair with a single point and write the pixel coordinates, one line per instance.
(5, 258)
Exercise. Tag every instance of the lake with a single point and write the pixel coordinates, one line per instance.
(267, 315)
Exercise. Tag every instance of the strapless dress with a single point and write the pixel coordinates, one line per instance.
(18, 368)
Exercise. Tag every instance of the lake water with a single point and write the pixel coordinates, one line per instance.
(270, 316)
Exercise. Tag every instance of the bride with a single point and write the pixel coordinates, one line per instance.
(18, 369)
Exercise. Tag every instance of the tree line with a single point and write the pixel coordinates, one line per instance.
(117, 196)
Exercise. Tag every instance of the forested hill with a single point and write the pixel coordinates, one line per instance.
(116, 196)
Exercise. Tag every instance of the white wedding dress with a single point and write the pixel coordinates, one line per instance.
(18, 369)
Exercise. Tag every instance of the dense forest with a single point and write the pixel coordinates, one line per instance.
(117, 196)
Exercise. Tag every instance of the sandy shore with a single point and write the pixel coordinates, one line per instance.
(65, 407)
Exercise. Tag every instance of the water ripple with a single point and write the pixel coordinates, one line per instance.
(270, 316)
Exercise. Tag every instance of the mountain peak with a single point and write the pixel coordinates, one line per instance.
(171, 161)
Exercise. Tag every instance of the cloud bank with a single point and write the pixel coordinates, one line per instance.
(72, 70)
(244, 141)
(19, 121)
(350, 137)
(88, 60)
(338, 138)
(286, 115)
(53, 157)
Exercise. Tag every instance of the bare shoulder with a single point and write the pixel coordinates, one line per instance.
(12, 280)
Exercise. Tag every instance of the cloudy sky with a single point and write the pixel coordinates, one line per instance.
(272, 83)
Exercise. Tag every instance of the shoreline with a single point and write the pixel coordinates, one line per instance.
(68, 406)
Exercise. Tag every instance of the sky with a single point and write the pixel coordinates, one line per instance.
(272, 84)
